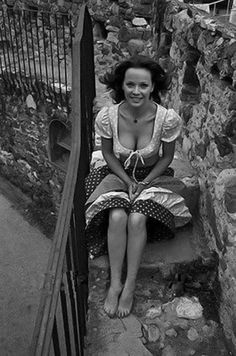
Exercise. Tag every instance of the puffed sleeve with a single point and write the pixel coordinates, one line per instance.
(172, 126)
(102, 123)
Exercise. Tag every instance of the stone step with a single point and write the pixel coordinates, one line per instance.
(187, 174)
(188, 245)
(182, 248)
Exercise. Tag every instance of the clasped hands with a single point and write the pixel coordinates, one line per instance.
(134, 189)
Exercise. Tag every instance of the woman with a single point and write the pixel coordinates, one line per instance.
(136, 193)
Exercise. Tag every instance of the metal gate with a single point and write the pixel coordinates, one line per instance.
(35, 54)
(61, 321)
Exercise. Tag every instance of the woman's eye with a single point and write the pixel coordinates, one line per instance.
(144, 85)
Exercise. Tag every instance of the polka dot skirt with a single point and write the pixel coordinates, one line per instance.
(160, 223)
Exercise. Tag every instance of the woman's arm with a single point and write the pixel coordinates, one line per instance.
(163, 162)
(112, 161)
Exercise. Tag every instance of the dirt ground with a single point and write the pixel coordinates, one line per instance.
(23, 261)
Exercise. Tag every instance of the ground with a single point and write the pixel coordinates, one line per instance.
(36, 215)
(23, 261)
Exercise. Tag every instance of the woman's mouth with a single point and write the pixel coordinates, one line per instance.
(135, 98)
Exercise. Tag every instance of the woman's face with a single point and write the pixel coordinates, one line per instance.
(137, 86)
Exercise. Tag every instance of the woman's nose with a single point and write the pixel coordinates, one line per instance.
(136, 89)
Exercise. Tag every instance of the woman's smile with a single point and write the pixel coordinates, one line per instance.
(135, 98)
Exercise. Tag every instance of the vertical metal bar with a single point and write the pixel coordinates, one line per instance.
(8, 55)
(78, 279)
(27, 46)
(81, 314)
(51, 349)
(11, 41)
(39, 54)
(75, 254)
(79, 237)
(92, 89)
(70, 316)
(1, 66)
(4, 54)
(55, 339)
(18, 50)
(22, 44)
(71, 34)
(64, 45)
(60, 321)
(32, 43)
(52, 57)
(228, 6)
(214, 10)
(65, 319)
(70, 282)
(68, 253)
(78, 291)
(58, 57)
(45, 56)
(4, 79)
(71, 53)
(73, 309)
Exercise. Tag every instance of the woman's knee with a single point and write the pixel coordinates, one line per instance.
(137, 221)
(117, 218)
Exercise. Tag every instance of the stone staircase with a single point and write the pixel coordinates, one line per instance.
(170, 271)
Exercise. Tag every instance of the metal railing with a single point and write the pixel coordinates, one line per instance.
(35, 54)
(61, 320)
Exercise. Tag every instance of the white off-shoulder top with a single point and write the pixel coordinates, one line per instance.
(167, 128)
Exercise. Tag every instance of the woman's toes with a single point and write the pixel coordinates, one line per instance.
(122, 313)
(125, 304)
(111, 302)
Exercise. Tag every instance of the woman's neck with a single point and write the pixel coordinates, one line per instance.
(139, 111)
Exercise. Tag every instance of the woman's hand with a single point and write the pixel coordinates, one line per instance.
(139, 189)
(135, 189)
(132, 187)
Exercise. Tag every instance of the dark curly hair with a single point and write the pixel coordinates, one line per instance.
(114, 79)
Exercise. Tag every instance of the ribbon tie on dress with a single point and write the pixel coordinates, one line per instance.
(128, 162)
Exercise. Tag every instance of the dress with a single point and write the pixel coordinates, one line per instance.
(162, 201)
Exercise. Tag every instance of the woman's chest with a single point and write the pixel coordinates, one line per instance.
(135, 136)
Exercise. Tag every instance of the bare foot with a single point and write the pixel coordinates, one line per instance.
(111, 301)
(125, 303)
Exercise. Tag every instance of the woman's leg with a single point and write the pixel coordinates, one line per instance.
(117, 240)
(137, 236)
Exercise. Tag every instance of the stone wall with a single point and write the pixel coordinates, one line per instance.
(24, 158)
(121, 28)
(201, 54)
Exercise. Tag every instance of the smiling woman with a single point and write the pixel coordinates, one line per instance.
(135, 196)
